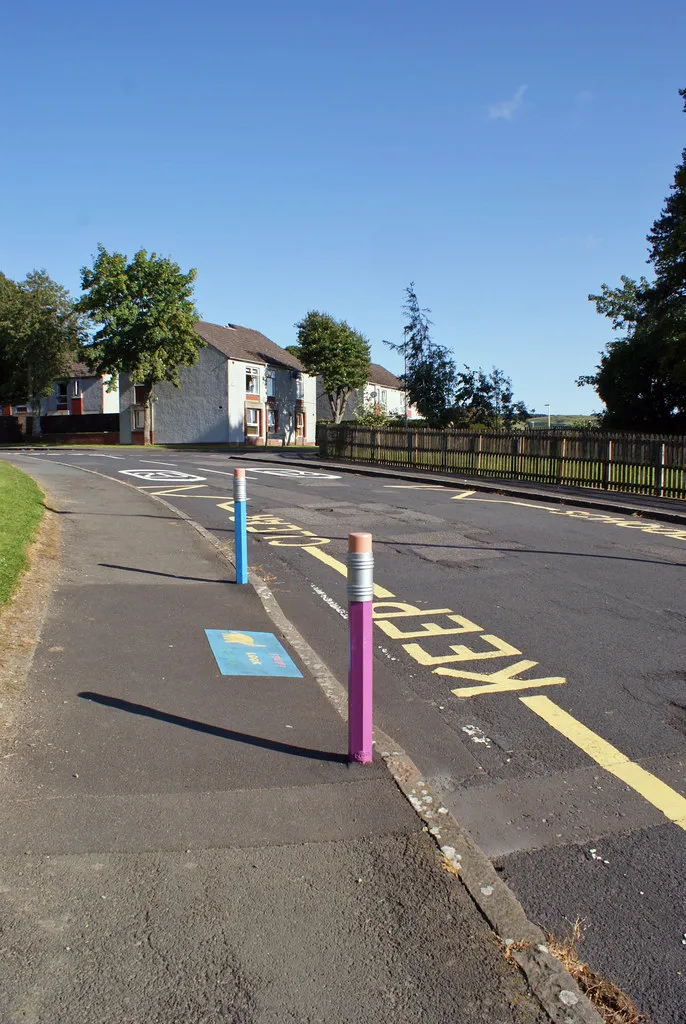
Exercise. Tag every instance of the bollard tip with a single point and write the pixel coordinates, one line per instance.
(239, 472)
(359, 542)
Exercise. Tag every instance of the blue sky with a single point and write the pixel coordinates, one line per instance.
(507, 158)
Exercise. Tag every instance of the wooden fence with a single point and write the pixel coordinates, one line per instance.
(638, 463)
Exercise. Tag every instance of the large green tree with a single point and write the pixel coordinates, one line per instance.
(430, 374)
(332, 350)
(487, 399)
(145, 315)
(40, 333)
(641, 376)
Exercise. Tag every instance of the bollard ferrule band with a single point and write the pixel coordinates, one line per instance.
(240, 489)
(360, 576)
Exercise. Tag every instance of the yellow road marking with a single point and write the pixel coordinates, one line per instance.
(465, 494)
(342, 568)
(656, 792)
(595, 517)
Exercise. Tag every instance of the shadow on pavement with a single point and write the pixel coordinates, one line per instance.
(168, 575)
(212, 730)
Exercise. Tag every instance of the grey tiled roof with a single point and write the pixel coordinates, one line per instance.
(380, 375)
(243, 343)
(80, 370)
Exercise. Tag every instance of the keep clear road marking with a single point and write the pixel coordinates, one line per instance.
(659, 794)
(656, 792)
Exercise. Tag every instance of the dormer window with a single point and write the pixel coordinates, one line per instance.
(252, 380)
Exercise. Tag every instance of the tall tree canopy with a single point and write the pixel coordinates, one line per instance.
(146, 315)
(641, 376)
(430, 374)
(487, 399)
(334, 351)
(40, 333)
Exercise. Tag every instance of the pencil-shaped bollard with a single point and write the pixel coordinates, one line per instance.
(361, 659)
(240, 525)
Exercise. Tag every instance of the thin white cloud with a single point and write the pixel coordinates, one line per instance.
(507, 108)
(585, 96)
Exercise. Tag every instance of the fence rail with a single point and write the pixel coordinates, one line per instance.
(638, 463)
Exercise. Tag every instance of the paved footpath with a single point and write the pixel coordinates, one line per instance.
(181, 846)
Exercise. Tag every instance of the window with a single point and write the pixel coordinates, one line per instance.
(271, 383)
(272, 419)
(138, 419)
(384, 399)
(252, 380)
(62, 394)
(75, 389)
(299, 386)
(139, 394)
(252, 422)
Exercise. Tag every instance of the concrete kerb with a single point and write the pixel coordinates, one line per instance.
(553, 986)
(622, 505)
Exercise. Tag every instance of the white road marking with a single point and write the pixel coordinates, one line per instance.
(297, 474)
(293, 473)
(154, 462)
(92, 455)
(161, 476)
(330, 601)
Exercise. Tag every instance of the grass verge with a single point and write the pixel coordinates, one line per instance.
(21, 510)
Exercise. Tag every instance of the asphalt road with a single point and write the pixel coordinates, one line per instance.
(574, 784)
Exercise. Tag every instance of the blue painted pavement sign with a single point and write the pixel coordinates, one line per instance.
(250, 654)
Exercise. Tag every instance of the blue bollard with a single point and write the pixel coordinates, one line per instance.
(240, 525)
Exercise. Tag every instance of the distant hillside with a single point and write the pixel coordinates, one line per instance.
(572, 420)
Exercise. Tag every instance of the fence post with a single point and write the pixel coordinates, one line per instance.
(607, 468)
(659, 470)
(361, 646)
(240, 525)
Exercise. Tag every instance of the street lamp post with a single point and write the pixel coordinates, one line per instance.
(405, 371)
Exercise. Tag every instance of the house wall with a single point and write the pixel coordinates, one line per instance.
(110, 399)
(236, 372)
(90, 391)
(310, 406)
(210, 405)
(370, 394)
(196, 412)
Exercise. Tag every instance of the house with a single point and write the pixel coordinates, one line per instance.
(243, 388)
(383, 390)
(79, 393)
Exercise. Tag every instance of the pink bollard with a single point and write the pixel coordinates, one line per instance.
(361, 659)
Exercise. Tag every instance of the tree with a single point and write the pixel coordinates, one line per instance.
(40, 333)
(430, 375)
(146, 318)
(641, 376)
(487, 399)
(335, 352)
